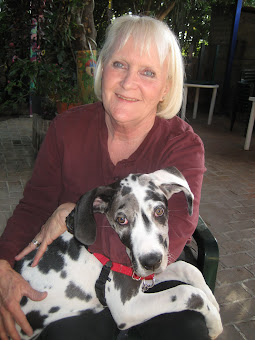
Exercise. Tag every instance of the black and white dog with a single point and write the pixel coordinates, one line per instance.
(136, 208)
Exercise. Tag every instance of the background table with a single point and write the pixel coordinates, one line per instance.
(250, 125)
(214, 87)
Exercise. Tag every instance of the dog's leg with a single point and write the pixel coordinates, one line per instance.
(189, 274)
(145, 306)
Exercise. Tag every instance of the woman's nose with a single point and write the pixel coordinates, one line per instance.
(129, 80)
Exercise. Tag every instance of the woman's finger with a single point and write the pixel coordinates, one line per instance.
(52, 229)
(9, 325)
(30, 247)
(3, 335)
(41, 250)
(21, 320)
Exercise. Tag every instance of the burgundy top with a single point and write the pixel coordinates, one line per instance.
(74, 159)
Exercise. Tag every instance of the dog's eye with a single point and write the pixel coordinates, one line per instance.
(122, 220)
(159, 211)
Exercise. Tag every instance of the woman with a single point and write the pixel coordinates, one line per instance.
(134, 128)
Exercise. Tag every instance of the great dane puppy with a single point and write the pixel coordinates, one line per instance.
(137, 209)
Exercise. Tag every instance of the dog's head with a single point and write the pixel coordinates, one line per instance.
(136, 208)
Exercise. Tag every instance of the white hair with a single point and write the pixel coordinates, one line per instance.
(146, 31)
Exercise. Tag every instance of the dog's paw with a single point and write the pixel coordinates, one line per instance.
(216, 329)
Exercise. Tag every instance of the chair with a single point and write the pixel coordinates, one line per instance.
(208, 253)
(203, 252)
(244, 89)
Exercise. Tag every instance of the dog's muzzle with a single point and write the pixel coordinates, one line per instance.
(151, 261)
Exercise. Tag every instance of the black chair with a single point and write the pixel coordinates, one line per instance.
(207, 253)
(244, 89)
(203, 252)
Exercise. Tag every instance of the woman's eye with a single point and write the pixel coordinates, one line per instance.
(122, 220)
(118, 64)
(159, 211)
(149, 73)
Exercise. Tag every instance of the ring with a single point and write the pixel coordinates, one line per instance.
(36, 243)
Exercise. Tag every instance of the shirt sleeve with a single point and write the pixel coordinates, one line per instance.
(187, 155)
(40, 199)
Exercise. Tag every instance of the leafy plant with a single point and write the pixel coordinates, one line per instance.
(42, 79)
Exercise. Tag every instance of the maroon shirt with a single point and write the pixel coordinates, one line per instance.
(74, 159)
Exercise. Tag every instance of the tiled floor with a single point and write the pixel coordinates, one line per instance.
(228, 207)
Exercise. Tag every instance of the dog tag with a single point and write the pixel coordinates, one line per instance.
(147, 285)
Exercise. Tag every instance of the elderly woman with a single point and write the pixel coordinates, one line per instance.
(132, 129)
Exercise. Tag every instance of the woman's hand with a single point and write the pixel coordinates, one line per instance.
(12, 288)
(52, 229)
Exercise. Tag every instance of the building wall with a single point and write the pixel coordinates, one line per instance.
(244, 57)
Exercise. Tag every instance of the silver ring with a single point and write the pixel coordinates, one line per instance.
(36, 243)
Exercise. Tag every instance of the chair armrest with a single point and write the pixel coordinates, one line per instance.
(208, 253)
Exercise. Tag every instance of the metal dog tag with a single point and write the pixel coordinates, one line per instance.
(146, 285)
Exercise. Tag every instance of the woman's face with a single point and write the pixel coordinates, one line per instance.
(133, 84)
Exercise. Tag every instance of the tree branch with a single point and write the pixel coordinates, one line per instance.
(164, 12)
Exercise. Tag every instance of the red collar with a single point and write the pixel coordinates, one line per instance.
(120, 268)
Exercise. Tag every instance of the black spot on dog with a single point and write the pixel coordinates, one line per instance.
(160, 239)
(195, 302)
(51, 259)
(154, 196)
(54, 309)
(72, 291)
(18, 266)
(29, 257)
(122, 325)
(61, 245)
(126, 239)
(152, 186)
(174, 171)
(63, 274)
(146, 220)
(134, 178)
(173, 298)
(23, 301)
(125, 191)
(35, 319)
(87, 312)
(74, 249)
(208, 308)
(127, 286)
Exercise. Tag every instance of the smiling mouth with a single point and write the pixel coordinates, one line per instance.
(127, 99)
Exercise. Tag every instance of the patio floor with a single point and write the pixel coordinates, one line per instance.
(227, 206)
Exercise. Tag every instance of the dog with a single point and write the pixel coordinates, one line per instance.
(77, 280)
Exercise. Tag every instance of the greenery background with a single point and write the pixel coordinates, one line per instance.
(68, 26)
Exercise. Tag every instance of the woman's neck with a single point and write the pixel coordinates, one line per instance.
(124, 139)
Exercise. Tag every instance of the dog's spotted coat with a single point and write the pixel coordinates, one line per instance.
(136, 208)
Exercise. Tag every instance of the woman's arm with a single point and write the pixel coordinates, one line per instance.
(52, 229)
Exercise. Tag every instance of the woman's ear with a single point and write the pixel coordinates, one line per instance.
(166, 89)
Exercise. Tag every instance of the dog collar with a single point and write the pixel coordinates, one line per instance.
(108, 265)
(120, 268)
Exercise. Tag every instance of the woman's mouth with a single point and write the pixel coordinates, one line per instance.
(126, 98)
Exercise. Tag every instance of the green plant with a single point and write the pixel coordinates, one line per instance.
(60, 28)
(42, 79)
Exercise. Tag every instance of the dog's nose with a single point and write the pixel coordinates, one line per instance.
(151, 261)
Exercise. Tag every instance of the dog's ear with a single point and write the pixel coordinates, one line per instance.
(171, 181)
(82, 220)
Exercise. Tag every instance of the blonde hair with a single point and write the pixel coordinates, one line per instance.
(146, 31)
